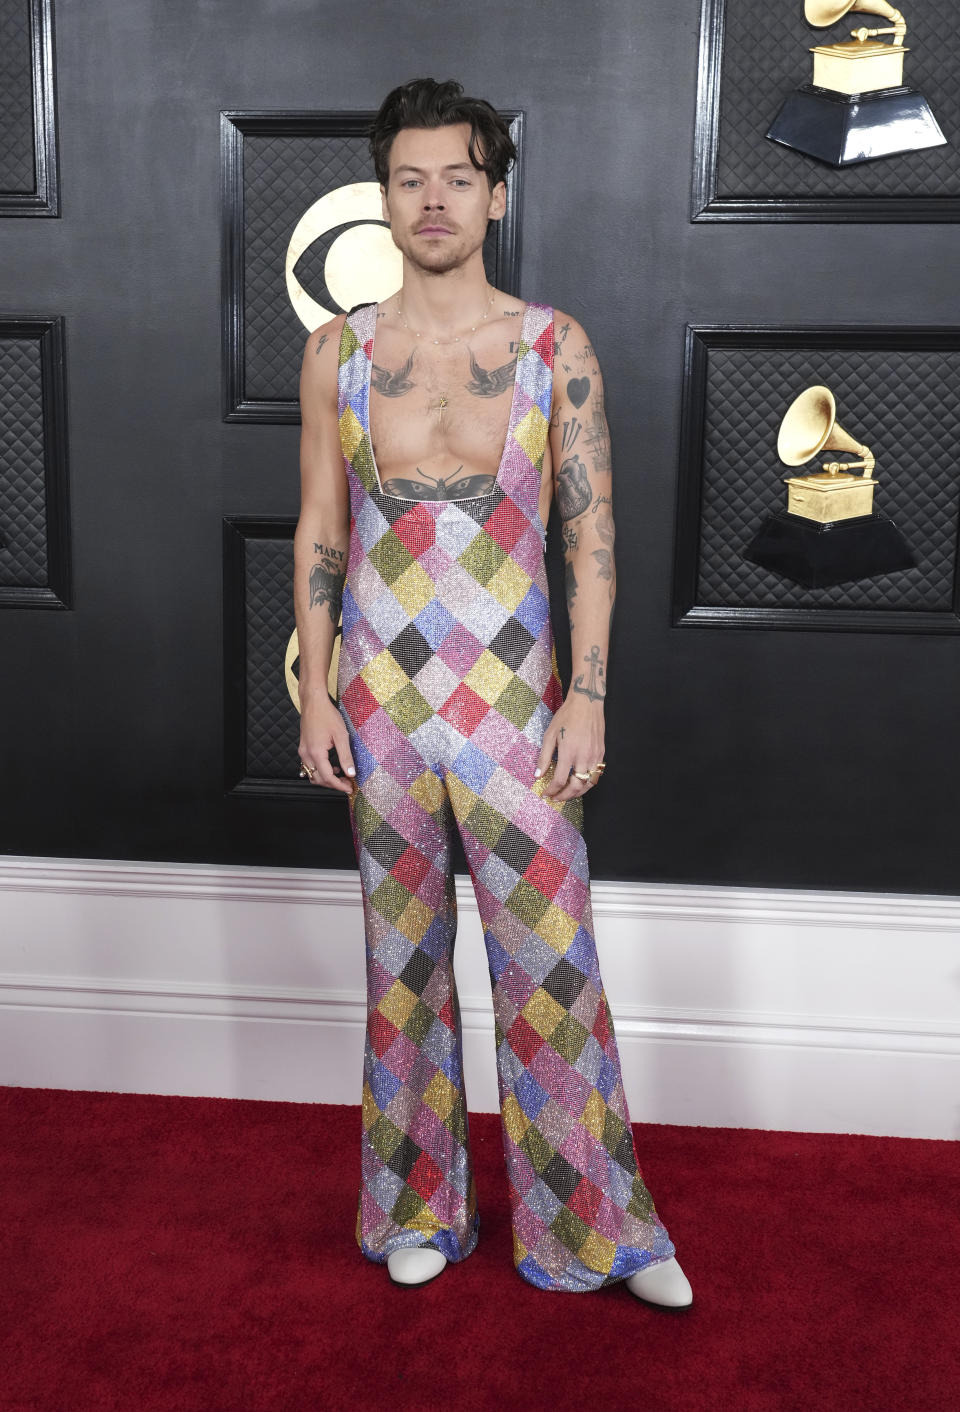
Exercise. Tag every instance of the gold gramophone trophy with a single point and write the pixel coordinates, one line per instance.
(857, 108)
(830, 532)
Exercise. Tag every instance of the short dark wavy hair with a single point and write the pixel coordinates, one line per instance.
(425, 103)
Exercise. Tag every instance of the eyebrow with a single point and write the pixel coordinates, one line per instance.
(450, 167)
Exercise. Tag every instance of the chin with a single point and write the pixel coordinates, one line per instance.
(440, 263)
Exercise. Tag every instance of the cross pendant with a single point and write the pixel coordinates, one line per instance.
(439, 408)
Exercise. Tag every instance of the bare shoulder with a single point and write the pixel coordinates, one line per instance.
(320, 365)
(325, 340)
(508, 306)
(572, 342)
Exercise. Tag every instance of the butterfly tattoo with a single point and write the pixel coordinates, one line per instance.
(451, 487)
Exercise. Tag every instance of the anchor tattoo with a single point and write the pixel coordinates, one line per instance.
(596, 687)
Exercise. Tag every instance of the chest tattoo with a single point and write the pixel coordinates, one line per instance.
(490, 382)
(393, 383)
(455, 486)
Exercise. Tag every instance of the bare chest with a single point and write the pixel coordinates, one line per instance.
(440, 411)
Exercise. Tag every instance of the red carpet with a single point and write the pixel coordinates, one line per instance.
(198, 1255)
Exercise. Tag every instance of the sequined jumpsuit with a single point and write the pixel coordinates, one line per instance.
(447, 681)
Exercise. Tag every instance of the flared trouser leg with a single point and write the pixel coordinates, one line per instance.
(582, 1216)
(417, 1186)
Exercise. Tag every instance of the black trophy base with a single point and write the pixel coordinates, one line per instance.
(844, 128)
(820, 556)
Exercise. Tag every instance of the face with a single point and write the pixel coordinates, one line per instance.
(437, 203)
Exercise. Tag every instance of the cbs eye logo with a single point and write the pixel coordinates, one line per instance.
(362, 262)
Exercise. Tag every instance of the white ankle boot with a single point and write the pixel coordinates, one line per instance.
(663, 1284)
(415, 1265)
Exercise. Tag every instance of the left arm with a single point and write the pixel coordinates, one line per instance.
(583, 483)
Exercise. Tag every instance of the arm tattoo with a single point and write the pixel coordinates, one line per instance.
(569, 537)
(596, 687)
(326, 579)
(604, 563)
(578, 390)
(490, 383)
(393, 384)
(320, 342)
(604, 519)
(571, 430)
(598, 437)
(570, 585)
(573, 488)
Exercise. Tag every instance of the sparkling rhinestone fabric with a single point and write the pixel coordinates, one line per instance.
(447, 682)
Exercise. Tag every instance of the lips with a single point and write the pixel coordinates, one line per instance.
(433, 230)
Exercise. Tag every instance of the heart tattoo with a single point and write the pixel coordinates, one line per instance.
(578, 390)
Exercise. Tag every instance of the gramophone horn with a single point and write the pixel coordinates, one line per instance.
(810, 425)
(827, 12)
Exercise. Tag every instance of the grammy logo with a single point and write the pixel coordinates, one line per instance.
(829, 532)
(857, 107)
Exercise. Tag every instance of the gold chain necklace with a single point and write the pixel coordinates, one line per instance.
(456, 338)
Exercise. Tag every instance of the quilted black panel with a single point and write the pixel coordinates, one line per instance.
(282, 177)
(901, 403)
(17, 168)
(766, 54)
(23, 515)
(273, 723)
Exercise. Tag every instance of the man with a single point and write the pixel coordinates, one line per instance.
(434, 435)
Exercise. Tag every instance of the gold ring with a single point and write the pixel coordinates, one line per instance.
(599, 767)
(306, 770)
(578, 774)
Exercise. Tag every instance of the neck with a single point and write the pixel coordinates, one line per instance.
(442, 303)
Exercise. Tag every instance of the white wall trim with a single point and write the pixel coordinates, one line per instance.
(341, 886)
(106, 963)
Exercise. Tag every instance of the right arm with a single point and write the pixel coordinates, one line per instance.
(320, 547)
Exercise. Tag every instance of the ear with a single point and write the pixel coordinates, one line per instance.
(498, 202)
(384, 208)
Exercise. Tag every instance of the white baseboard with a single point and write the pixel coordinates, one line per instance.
(733, 1007)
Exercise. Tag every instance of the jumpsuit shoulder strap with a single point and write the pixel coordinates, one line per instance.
(538, 332)
(355, 348)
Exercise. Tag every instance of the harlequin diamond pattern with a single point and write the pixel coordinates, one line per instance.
(447, 683)
(764, 61)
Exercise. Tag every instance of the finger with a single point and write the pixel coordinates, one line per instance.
(323, 773)
(325, 776)
(574, 785)
(572, 789)
(341, 743)
(547, 748)
(561, 773)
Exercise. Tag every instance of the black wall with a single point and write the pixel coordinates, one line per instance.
(796, 758)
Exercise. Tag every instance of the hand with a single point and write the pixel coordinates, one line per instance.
(322, 729)
(576, 734)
